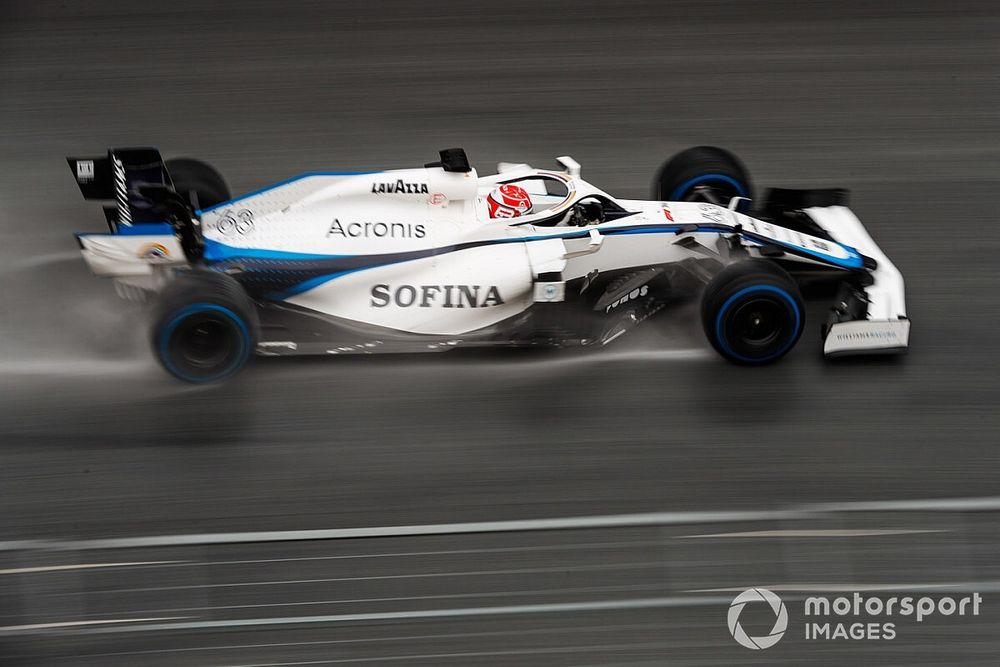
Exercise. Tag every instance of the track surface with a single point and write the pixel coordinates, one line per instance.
(897, 102)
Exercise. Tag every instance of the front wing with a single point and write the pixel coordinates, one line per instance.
(870, 319)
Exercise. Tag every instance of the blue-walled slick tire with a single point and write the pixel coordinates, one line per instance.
(204, 327)
(705, 174)
(752, 312)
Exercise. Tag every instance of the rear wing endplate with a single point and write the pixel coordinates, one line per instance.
(117, 177)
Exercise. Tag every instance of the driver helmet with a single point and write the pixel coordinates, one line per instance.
(508, 201)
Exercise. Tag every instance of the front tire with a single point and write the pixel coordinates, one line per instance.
(204, 328)
(705, 174)
(752, 312)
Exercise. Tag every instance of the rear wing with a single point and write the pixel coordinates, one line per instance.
(117, 178)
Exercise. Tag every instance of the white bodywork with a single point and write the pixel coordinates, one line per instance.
(414, 251)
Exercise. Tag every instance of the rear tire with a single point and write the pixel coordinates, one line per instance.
(703, 173)
(198, 182)
(204, 327)
(752, 312)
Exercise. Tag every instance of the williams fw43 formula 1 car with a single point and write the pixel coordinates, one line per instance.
(412, 260)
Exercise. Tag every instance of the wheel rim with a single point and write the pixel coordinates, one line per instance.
(204, 342)
(758, 324)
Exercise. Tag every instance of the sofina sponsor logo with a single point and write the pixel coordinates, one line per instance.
(441, 296)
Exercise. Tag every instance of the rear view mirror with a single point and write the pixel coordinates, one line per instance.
(572, 166)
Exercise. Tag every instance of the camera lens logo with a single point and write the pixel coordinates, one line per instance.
(780, 622)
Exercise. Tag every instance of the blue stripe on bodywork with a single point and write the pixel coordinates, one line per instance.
(220, 252)
(146, 229)
(216, 251)
(335, 266)
(855, 261)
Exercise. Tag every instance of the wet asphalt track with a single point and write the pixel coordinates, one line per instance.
(898, 103)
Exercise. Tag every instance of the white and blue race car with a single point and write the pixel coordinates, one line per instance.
(410, 260)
